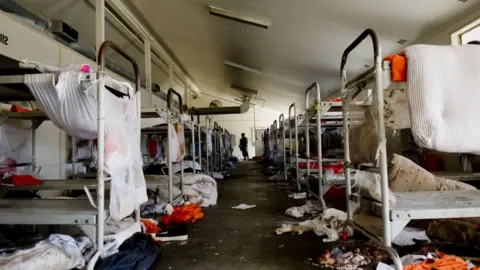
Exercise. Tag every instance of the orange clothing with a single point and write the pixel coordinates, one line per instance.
(444, 262)
(398, 66)
(190, 213)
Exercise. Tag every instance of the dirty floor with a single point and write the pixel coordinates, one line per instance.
(230, 239)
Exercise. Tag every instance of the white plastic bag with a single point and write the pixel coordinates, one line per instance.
(181, 140)
(72, 106)
(370, 182)
(209, 142)
(172, 151)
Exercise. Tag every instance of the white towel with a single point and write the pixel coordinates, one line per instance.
(444, 96)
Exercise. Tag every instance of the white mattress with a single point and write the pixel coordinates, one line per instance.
(444, 96)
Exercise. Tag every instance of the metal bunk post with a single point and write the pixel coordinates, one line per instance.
(208, 123)
(275, 141)
(378, 101)
(194, 110)
(296, 142)
(318, 114)
(170, 94)
(101, 132)
(281, 121)
(215, 141)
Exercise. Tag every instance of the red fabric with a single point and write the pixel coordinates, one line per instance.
(17, 108)
(150, 226)
(433, 162)
(152, 147)
(398, 67)
(22, 180)
(337, 168)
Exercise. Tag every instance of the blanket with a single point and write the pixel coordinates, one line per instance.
(443, 92)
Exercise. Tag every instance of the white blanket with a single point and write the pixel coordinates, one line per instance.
(200, 189)
(444, 93)
(72, 107)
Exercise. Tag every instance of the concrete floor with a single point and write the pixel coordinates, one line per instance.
(229, 239)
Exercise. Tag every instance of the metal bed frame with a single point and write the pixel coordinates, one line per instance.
(409, 205)
(281, 121)
(295, 123)
(79, 212)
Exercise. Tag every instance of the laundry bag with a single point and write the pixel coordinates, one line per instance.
(71, 104)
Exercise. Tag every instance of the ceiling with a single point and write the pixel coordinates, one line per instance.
(304, 43)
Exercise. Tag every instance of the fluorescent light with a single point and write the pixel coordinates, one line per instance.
(242, 67)
(244, 89)
(239, 17)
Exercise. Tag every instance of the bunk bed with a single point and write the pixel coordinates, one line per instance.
(87, 214)
(408, 205)
(281, 121)
(169, 118)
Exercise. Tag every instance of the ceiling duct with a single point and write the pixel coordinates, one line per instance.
(243, 108)
(244, 89)
(215, 104)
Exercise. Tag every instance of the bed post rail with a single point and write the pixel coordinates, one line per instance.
(101, 132)
(101, 60)
(378, 102)
(318, 121)
(208, 123)
(296, 141)
(170, 94)
(281, 121)
(193, 111)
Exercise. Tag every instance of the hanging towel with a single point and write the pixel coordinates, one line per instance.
(444, 93)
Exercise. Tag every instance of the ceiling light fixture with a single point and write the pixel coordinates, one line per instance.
(239, 17)
(242, 67)
(244, 89)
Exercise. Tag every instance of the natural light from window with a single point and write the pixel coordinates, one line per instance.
(471, 35)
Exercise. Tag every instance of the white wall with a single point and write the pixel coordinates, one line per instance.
(442, 35)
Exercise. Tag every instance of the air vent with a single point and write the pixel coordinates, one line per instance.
(402, 41)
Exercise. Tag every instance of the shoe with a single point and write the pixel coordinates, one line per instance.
(179, 233)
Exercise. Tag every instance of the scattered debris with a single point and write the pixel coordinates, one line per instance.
(331, 223)
(300, 211)
(298, 196)
(243, 206)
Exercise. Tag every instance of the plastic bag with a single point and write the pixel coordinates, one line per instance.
(370, 182)
(71, 105)
(172, 151)
(181, 140)
(209, 142)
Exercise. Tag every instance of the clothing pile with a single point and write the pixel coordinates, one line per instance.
(187, 213)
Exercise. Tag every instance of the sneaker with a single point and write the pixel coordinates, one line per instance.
(179, 233)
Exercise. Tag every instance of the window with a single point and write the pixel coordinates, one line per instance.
(466, 34)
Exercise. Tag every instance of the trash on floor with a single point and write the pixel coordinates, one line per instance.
(300, 211)
(341, 258)
(298, 196)
(407, 236)
(330, 223)
(243, 206)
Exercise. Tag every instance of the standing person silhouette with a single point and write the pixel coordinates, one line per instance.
(244, 146)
